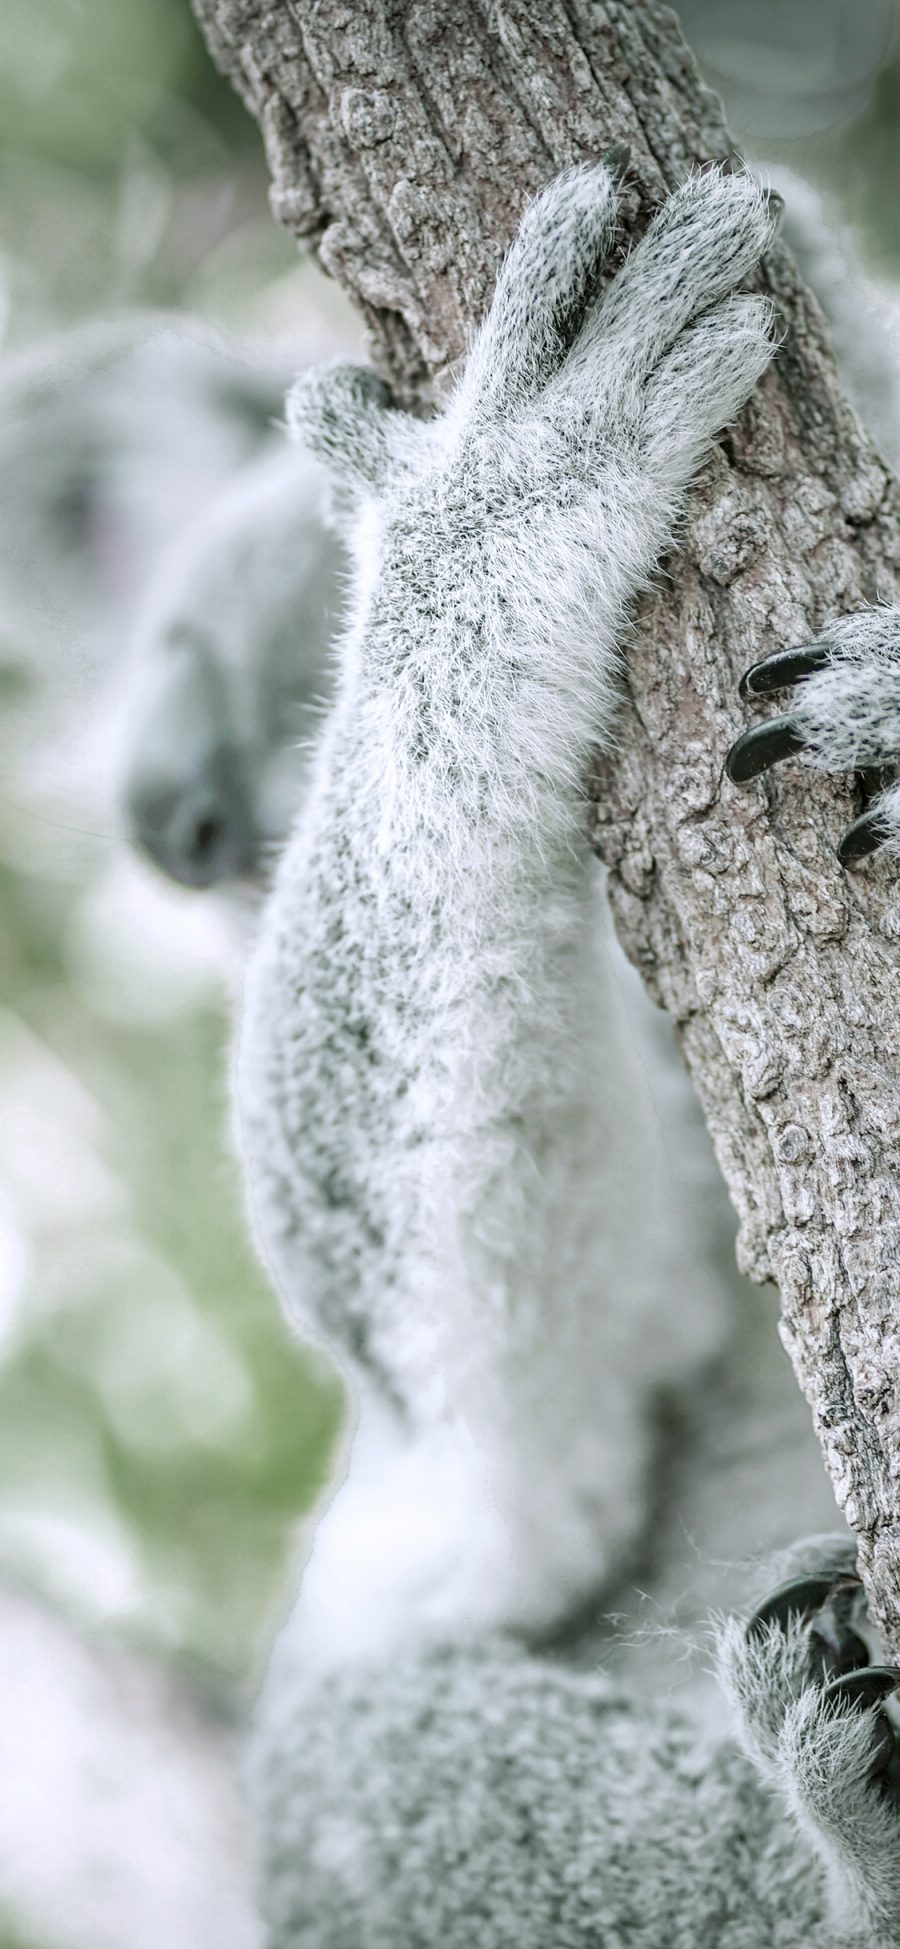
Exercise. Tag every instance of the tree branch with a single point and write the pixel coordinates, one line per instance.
(403, 138)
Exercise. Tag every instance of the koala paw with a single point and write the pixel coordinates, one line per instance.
(811, 1714)
(846, 717)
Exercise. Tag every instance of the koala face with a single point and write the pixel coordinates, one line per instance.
(232, 670)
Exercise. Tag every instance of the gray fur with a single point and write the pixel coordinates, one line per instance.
(414, 1036)
(420, 1777)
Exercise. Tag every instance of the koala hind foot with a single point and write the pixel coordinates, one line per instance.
(810, 1712)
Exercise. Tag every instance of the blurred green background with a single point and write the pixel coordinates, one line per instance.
(160, 1433)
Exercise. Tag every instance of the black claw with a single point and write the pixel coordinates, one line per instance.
(784, 667)
(863, 1689)
(836, 1648)
(864, 836)
(617, 159)
(875, 779)
(765, 745)
(799, 1598)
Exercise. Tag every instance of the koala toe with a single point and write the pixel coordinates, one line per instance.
(802, 1635)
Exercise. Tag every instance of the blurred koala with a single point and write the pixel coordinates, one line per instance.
(863, 312)
(231, 669)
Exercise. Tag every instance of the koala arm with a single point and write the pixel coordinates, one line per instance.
(425, 1121)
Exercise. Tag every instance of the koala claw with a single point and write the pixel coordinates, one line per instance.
(800, 1598)
(784, 667)
(837, 1648)
(864, 1687)
(864, 836)
(825, 1604)
(755, 751)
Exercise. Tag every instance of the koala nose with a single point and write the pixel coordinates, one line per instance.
(201, 833)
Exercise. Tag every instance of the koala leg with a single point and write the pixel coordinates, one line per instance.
(809, 1710)
(450, 1174)
(845, 717)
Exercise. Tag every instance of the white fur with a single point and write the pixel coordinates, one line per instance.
(443, 1794)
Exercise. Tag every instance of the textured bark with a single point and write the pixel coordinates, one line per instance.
(403, 138)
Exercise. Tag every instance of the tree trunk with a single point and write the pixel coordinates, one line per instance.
(403, 138)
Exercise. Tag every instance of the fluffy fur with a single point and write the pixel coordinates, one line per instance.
(421, 1778)
(427, 1124)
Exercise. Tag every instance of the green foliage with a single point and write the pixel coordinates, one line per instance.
(81, 79)
(161, 1432)
(126, 162)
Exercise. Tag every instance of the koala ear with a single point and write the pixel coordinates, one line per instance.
(344, 414)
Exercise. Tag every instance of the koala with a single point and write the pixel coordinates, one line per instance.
(219, 753)
(446, 1793)
(218, 741)
(423, 1121)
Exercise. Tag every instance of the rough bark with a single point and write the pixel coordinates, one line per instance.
(403, 138)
